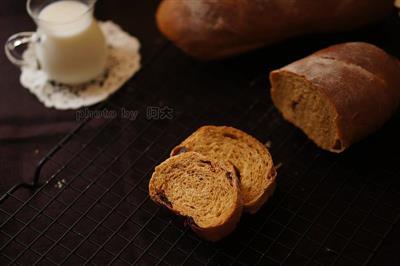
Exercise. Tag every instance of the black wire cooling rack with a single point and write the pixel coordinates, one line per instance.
(89, 203)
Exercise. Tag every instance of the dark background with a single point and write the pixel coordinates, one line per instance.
(28, 130)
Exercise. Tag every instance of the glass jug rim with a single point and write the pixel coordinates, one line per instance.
(35, 15)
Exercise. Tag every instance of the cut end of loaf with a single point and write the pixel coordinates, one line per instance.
(307, 108)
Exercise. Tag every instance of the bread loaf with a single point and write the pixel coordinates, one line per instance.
(251, 159)
(210, 29)
(338, 95)
(203, 190)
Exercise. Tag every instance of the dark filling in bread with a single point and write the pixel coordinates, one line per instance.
(179, 150)
(231, 136)
(229, 176)
(189, 221)
(206, 162)
(161, 195)
(272, 173)
(237, 172)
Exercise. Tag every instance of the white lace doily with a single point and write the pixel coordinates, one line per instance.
(123, 63)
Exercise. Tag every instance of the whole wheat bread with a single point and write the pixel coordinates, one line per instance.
(251, 159)
(202, 189)
(340, 94)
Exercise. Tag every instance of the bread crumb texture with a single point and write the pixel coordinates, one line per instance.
(250, 158)
(193, 185)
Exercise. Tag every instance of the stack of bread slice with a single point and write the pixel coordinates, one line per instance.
(212, 176)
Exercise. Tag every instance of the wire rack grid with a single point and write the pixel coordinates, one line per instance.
(89, 202)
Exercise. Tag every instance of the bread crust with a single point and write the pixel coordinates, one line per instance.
(359, 80)
(202, 137)
(210, 29)
(217, 233)
(210, 233)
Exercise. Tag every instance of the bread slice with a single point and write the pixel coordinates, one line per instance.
(251, 160)
(202, 189)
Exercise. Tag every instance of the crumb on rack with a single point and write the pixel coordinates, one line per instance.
(60, 183)
(279, 165)
(268, 144)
